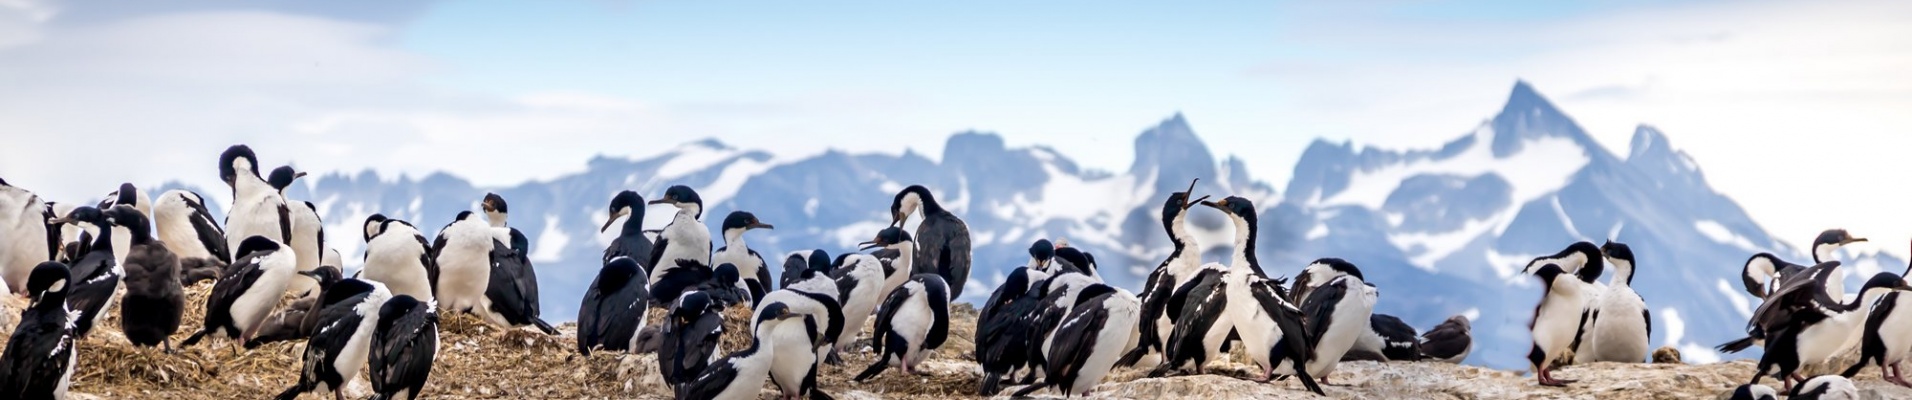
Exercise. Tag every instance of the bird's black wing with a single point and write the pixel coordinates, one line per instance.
(1398, 339)
(503, 289)
(887, 313)
(208, 231)
(1076, 340)
(588, 329)
(285, 222)
(651, 262)
(955, 258)
(430, 260)
(37, 354)
(702, 339)
(763, 277)
(1294, 331)
(1791, 296)
(1446, 340)
(1204, 307)
(239, 276)
(938, 293)
(711, 383)
(438, 242)
(403, 355)
(1320, 308)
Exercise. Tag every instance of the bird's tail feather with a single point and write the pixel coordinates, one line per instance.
(1736, 345)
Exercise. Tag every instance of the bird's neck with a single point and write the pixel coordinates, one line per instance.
(688, 213)
(734, 239)
(1823, 252)
(633, 225)
(497, 219)
(103, 238)
(1622, 272)
(1178, 234)
(1245, 245)
(248, 185)
(139, 236)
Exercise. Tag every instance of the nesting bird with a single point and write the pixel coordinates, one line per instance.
(913, 321)
(463, 254)
(397, 255)
(613, 309)
(630, 240)
(404, 345)
(812, 295)
(750, 265)
(38, 362)
(740, 375)
(681, 257)
(1089, 341)
(1449, 342)
(340, 347)
(512, 291)
(190, 232)
(248, 291)
(257, 207)
(692, 328)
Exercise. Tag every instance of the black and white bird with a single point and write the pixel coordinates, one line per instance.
(1556, 320)
(39, 359)
(692, 328)
(248, 291)
(750, 265)
(1449, 342)
(859, 281)
(1061, 292)
(614, 306)
(813, 295)
(630, 241)
(1070, 260)
(1041, 253)
(1825, 387)
(1338, 313)
(308, 240)
(29, 240)
(1887, 339)
(397, 255)
(342, 344)
(154, 301)
(191, 233)
(942, 239)
(1273, 331)
(1754, 392)
(1201, 322)
(1387, 339)
(797, 262)
(1802, 324)
(740, 375)
(685, 239)
(1620, 322)
(462, 251)
(1765, 271)
(128, 194)
(913, 322)
(97, 274)
(404, 345)
(1183, 261)
(1090, 340)
(896, 249)
(257, 207)
(65, 241)
(511, 293)
(1586, 262)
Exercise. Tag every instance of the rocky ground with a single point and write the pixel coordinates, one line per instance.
(482, 362)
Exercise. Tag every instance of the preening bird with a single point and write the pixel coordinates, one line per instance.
(342, 344)
(257, 207)
(942, 239)
(613, 309)
(512, 292)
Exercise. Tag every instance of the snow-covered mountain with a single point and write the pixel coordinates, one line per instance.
(1441, 231)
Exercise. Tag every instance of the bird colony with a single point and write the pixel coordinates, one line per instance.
(1053, 326)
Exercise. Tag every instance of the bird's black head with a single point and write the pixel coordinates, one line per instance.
(374, 225)
(282, 177)
(85, 215)
(125, 215)
(462, 215)
(1835, 237)
(775, 310)
(1179, 202)
(495, 203)
(888, 236)
(908, 200)
(344, 289)
(326, 275)
(682, 197)
(838, 263)
(1074, 257)
(1235, 206)
(256, 244)
(624, 203)
(616, 273)
(1042, 250)
(230, 163)
(726, 274)
(3, 182)
(743, 220)
(48, 278)
(127, 194)
(1340, 265)
(819, 261)
(1617, 251)
(1886, 280)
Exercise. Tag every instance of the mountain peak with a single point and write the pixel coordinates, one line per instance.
(1647, 140)
(1172, 148)
(1527, 116)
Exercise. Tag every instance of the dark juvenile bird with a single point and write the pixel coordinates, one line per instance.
(1449, 342)
(614, 306)
(154, 300)
(942, 239)
(403, 348)
(97, 274)
(38, 362)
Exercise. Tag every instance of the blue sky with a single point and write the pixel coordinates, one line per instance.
(501, 92)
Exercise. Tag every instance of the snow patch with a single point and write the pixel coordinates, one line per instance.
(1544, 165)
(551, 242)
(693, 157)
(850, 235)
(1425, 249)
(1736, 297)
(1565, 221)
(1507, 266)
(732, 179)
(1718, 233)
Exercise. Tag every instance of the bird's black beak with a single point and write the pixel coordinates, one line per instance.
(760, 225)
(297, 175)
(61, 220)
(1852, 240)
(1185, 206)
(1219, 205)
(662, 200)
(607, 223)
(897, 218)
(869, 245)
